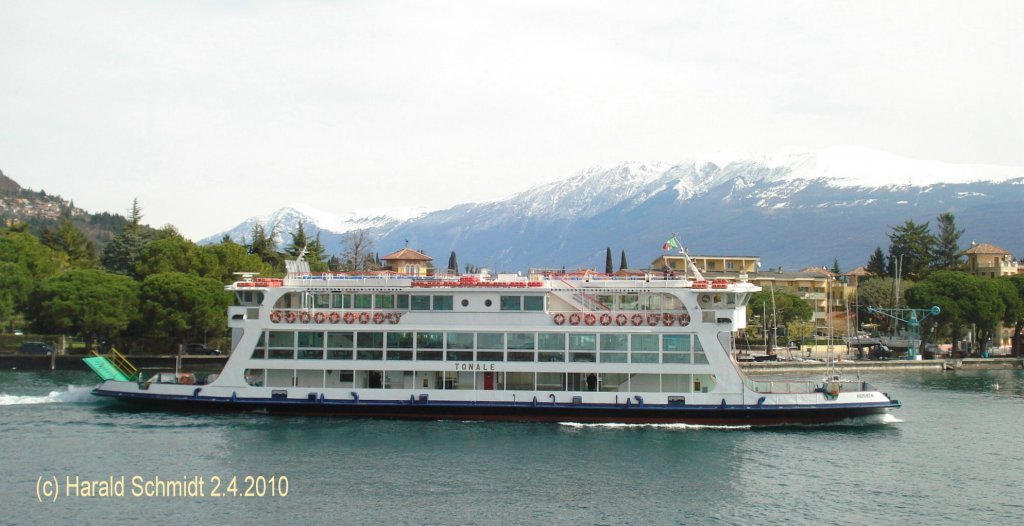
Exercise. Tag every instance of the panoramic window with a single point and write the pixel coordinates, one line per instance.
(460, 340)
(533, 303)
(511, 303)
(363, 301)
(400, 340)
(490, 340)
(442, 302)
(420, 302)
(384, 301)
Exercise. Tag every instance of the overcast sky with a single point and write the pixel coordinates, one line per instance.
(210, 112)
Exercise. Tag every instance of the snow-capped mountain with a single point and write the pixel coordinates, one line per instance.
(793, 209)
(286, 220)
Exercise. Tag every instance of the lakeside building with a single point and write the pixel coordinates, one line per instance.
(408, 262)
(990, 261)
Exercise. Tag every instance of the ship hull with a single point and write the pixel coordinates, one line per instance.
(539, 411)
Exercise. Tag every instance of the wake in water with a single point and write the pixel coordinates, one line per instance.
(676, 427)
(72, 394)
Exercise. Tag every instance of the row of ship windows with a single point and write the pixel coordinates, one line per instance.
(488, 381)
(442, 302)
(481, 346)
(416, 302)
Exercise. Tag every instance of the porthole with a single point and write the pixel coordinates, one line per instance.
(487, 303)
(465, 303)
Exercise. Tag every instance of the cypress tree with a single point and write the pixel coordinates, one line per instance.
(608, 267)
(622, 261)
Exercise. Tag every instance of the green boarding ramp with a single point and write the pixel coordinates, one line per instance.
(114, 366)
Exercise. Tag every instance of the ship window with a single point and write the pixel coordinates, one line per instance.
(280, 377)
(551, 381)
(460, 340)
(677, 343)
(551, 341)
(518, 381)
(339, 340)
(370, 340)
(341, 301)
(670, 302)
(262, 342)
(629, 302)
(698, 351)
(281, 354)
(254, 377)
(520, 356)
(644, 357)
(311, 354)
(363, 301)
(490, 356)
(653, 302)
(258, 353)
(607, 300)
(442, 302)
(614, 342)
(551, 356)
(398, 380)
(384, 301)
(400, 340)
(521, 341)
(311, 339)
(429, 340)
(369, 355)
(460, 356)
(587, 357)
(730, 299)
(703, 383)
(337, 354)
(613, 357)
(644, 342)
(490, 340)
(280, 339)
(399, 355)
(427, 380)
(321, 301)
(650, 383)
(675, 383)
(533, 303)
(420, 302)
(582, 342)
(402, 301)
(430, 355)
(613, 382)
(511, 303)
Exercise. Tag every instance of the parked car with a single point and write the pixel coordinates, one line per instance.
(198, 348)
(36, 348)
(880, 353)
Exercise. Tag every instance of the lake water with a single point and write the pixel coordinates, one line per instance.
(952, 455)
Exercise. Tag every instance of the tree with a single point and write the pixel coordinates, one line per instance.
(25, 250)
(357, 250)
(122, 252)
(221, 261)
(964, 300)
(88, 302)
(835, 267)
(169, 253)
(15, 286)
(299, 241)
(181, 306)
(911, 249)
(788, 308)
(608, 267)
(264, 247)
(453, 264)
(1015, 315)
(876, 263)
(946, 253)
(622, 261)
(69, 240)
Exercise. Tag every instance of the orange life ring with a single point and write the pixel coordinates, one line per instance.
(668, 319)
(319, 317)
(589, 319)
(394, 317)
(621, 320)
(637, 319)
(349, 318)
(275, 316)
(378, 318)
(684, 319)
(305, 317)
(335, 317)
(289, 317)
(574, 319)
(559, 318)
(653, 319)
(364, 317)
(606, 319)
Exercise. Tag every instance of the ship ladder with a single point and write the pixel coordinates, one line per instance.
(114, 366)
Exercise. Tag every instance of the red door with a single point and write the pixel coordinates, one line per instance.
(488, 381)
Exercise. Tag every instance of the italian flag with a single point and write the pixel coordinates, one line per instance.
(670, 244)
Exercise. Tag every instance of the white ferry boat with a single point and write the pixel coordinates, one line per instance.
(542, 347)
